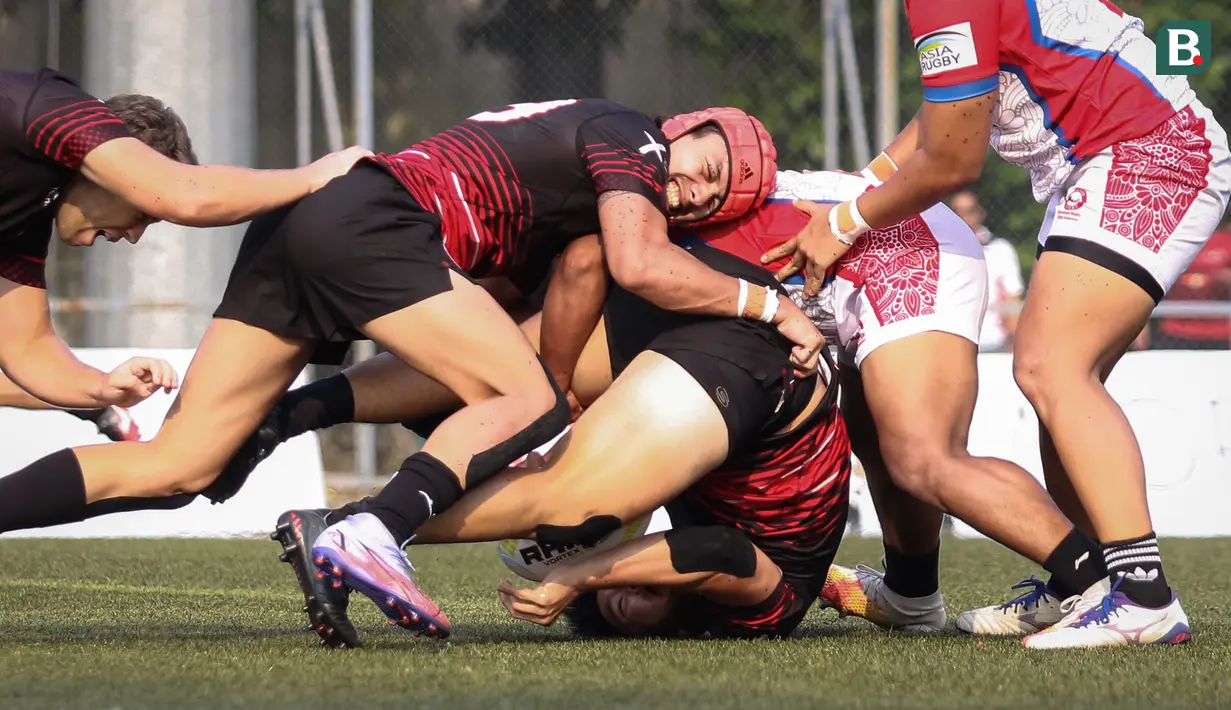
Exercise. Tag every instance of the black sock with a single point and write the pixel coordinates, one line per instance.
(1139, 568)
(1075, 564)
(50, 491)
(912, 575)
(88, 415)
(318, 405)
(108, 506)
(422, 488)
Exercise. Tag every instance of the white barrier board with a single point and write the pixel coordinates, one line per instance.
(1179, 405)
(293, 477)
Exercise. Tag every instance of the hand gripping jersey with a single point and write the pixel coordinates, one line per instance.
(925, 273)
(1074, 76)
(512, 187)
(47, 127)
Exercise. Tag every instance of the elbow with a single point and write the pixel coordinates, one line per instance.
(962, 172)
(632, 273)
(190, 210)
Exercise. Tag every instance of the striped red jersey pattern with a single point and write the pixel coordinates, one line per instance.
(512, 187)
(47, 127)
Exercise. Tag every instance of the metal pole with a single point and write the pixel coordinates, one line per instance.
(850, 78)
(829, 87)
(53, 34)
(303, 84)
(324, 68)
(887, 72)
(196, 56)
(361, 74)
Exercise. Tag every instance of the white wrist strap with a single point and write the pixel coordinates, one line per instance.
(870, 176)
(837, 233)
(771, 305)
(743, 299)
(861, 224)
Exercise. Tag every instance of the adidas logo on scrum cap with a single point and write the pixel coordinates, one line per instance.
(745, 171)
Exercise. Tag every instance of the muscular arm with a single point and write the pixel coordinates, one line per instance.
(643, 260)
(647, 561)
(952, 147)
(35, 358)
(572, 307)
(193, 195)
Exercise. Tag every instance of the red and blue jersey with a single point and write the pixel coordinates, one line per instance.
(1073, 77)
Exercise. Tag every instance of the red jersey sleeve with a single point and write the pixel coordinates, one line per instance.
(65, 123)
(958, 44)
(625, 151)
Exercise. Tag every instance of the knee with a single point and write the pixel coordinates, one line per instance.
(544, 405)
(921, 471)
(1045, 377)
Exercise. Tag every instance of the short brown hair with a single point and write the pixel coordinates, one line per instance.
(155, 124)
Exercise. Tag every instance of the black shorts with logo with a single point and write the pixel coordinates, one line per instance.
(353, 251)
(743, 365)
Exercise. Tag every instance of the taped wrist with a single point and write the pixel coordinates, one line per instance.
(714, 548)
(591, 532)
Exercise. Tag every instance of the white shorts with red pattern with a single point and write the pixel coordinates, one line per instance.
(1152, 202)
(925, 274)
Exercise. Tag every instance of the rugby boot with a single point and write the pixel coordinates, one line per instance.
(117, 424)
(255, 449)
(324, 601)
(1035, 609)
(360, 553)
(862, 592)
(1104, 616)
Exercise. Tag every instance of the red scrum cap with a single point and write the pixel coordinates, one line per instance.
(753, 157)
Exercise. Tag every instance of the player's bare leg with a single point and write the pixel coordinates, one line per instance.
(679, 433)
(465, 341)
(1078, 320)
(236, 375)
(907, 597)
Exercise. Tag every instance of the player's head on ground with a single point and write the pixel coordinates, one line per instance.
(626, 612)
(723, 163)
(89, 211)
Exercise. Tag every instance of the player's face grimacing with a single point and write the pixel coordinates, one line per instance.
(637, 611)
(699, 174)
(88, 211)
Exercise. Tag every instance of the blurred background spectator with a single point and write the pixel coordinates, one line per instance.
(1004, 276)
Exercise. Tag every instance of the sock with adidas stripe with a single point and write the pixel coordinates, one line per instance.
(1138, 566)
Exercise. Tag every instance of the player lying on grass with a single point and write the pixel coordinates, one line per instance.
(1137, 175)
(705, 411)
(115, 423)
(103, 169)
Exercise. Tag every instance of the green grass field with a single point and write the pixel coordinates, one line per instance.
(216, 624)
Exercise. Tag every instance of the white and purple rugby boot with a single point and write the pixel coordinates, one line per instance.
(362, 554)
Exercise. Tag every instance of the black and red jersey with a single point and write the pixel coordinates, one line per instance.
(789, 494)
(512, 187)
(47, 126)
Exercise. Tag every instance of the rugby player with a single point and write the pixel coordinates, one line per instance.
(703, 412)
(1137, 174)
(902, 305)
(115, 423)
(103, 169)
(388, 251)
